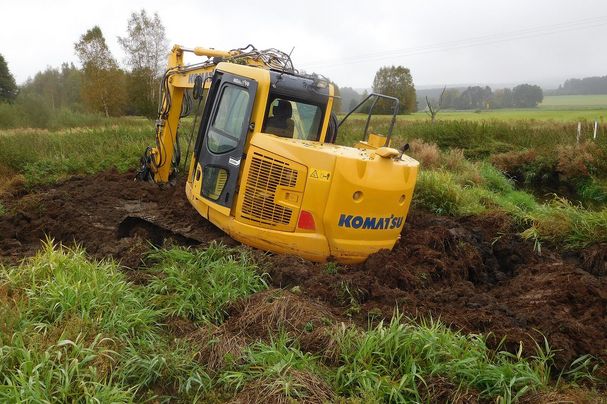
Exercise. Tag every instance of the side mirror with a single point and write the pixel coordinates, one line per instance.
(197, 90)
(405, 147)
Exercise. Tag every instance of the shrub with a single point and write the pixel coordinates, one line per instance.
(577, 161)
(427, 154)
(515, 162)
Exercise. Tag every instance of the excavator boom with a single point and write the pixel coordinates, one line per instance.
(159, 163)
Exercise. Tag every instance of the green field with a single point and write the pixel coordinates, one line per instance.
(575, 101)
(510, 114)
(569, 108)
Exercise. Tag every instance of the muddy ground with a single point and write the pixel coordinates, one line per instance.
(474, 273)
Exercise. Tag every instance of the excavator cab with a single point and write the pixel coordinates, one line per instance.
(265, 168)
(222, 136)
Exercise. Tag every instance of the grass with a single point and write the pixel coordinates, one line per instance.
(72, 329)
(200, 284)
(397, 362)
(557, 222)
(574, 101)
(449, 184)
(75, 330)
(279, 369)
(478, 139)
(47, 157)
(34, 113)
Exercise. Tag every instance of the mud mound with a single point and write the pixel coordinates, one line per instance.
(306, 386)
(89, 210)
(217, 347)
(476, 275)
(263, 315)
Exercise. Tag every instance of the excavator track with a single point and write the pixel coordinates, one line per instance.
(152, 229)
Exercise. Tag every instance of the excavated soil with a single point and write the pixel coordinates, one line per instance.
(474, 273)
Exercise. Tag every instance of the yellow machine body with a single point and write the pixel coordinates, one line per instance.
(309, 198)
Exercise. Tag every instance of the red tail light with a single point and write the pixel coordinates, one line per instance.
(306, 221)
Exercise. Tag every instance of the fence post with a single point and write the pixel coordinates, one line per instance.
(579, 132)
(596, 127)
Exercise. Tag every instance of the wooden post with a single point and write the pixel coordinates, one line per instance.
(579, 132)
(596, 127)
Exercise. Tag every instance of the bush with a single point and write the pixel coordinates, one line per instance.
(427, 154)
(515, 163)
(578, 161)
(35, 111)
(10, 115)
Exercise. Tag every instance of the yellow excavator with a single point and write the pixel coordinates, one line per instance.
(265, 167)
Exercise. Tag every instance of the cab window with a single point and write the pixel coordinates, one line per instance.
(227, 127)
(293, 119)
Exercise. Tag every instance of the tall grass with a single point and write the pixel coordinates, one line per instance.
(279, 371)
(74, 330)
(33, 112)
(395, 362)
(449, 185)
(479, 139)
(200, 284)
(45, 157)
(61, 285)
(64, 372)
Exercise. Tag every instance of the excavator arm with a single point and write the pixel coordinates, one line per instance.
(159, 163)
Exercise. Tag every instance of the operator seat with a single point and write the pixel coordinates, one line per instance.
(281, 124)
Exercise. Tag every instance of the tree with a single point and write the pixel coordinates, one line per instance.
(587, 85)
(502, 99)
(433, 107)
(57, 88)
(349, 98)
(103, 87)
(8, 87)
(395, 81)
(527, 96)
(474, 98)
(450, 97)
(146, 47)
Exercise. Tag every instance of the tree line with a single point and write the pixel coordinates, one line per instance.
(102, 85)
(477, 97)
(396, 81)
(585, 86)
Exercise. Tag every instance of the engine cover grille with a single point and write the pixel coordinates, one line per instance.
(266, 176)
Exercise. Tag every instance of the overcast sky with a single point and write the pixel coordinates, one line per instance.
(441, 41)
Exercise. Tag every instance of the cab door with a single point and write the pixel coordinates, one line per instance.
(223, 134)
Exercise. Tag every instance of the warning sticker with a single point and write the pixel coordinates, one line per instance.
(320, 175)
